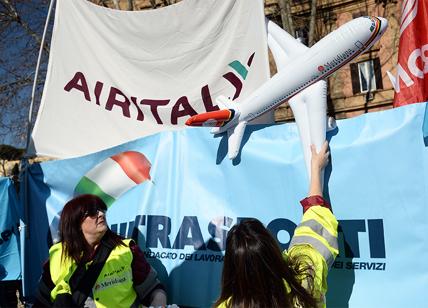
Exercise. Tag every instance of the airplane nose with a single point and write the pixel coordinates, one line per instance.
(383, 24)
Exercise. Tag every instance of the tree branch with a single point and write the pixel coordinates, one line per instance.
(286, 18)
(13, 14)
(312, 23)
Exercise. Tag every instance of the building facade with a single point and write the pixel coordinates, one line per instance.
(363, 85)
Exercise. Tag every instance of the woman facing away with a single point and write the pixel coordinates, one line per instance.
(92, 266)
(257, 274)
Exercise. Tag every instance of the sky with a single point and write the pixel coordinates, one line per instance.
(18, 58)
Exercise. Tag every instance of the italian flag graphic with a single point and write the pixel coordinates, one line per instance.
(114, 176)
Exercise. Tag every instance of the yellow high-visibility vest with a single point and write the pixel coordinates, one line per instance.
(113, 287)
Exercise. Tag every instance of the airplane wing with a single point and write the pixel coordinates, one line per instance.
(282, 45)
(309, 106)
(234, 140)
(310, 112)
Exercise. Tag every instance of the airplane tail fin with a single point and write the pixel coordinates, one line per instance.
(211, 119)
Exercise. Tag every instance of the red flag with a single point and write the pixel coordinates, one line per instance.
(411, 81)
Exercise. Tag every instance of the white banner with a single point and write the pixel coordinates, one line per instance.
(115, 76)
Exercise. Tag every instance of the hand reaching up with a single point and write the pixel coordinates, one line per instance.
(319, 160)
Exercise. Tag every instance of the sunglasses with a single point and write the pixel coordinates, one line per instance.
(94, 212)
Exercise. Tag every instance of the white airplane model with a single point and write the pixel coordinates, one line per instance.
(313, 64)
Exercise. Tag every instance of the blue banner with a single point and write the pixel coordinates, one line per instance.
(10, 267)
(180, 216)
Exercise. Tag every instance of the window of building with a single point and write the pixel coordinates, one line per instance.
(366, 76)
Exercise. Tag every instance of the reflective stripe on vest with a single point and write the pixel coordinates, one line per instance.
(319, 229)
(317, 244)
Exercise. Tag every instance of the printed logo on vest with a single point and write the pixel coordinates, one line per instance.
(112, 282)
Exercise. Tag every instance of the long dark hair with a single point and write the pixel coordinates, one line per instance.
(74, 244)
(254, 270)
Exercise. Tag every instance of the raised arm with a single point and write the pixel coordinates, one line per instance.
(318, 162)
(316, 235)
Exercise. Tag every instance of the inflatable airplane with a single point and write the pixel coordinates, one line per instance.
(299, 72)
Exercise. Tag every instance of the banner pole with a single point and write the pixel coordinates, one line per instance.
(36, 74)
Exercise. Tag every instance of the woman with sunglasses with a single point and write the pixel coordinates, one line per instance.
(92, 266)
(256, 273)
